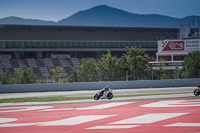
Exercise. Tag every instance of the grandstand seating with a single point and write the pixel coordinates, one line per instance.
(36, 71)
(65, 63)
(6, 63)
(56, 62)
(31, 62)
(39, 63)
(92, 59)
(14, 63)
(21, 63)
(44, 71)
(48, 62)
(68, 70)
(25, 62)
(69, 61)
(76, 62)
(41, 67)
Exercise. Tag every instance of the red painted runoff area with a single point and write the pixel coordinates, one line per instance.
(139, 116)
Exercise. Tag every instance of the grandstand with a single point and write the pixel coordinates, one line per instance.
(43, 47)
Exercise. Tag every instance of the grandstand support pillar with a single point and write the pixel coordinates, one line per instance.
(19, 78)
(172, 57)
(20, 75)
(39, 54)
(17, 55)
(74, 76)
(156, 57)
(151, 71)
(126, 75)
(47, 78)
(178, 75)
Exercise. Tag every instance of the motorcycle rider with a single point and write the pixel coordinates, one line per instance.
(104, 89)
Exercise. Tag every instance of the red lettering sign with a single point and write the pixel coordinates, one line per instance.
(173, 45)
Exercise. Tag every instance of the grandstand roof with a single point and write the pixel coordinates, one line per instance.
(84, 33)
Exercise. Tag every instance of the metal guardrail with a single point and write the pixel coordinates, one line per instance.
(98, 85)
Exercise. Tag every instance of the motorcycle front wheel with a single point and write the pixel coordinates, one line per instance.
(96, 97)
(196, 92)
(109, 96)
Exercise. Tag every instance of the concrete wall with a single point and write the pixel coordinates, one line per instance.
(98, 85)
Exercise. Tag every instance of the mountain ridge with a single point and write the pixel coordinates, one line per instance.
(107, 16)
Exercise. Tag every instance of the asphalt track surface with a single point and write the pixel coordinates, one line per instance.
(177, 115)
(92, 92)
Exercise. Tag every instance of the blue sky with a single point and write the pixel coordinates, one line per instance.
(58, 9)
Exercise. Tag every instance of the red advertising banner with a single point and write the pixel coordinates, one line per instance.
(173, 46)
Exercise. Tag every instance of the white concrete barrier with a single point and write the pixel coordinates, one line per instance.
(98, 85)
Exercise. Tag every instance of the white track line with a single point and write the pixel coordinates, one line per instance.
(101, 106)
(149, 118)
(4, 120)
(113, 127)
(76, 120)
(68, 121)
(23, 108)
(174, 103)
(183, 125)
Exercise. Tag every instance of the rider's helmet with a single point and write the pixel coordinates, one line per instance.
(107, 88)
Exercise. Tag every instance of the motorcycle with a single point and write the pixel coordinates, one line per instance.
(197, 91)
(104, 95)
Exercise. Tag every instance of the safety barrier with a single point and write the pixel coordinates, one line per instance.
(98, 85)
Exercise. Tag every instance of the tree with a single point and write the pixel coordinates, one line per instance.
(57, 74)
(23, 76)
(86, 72)
(162, 72)
(177, 73)
(135, 61)
(191, 65)
(4, 77)
(108, 66)
(28, 76)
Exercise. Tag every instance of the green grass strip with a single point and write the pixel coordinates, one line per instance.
(62, 98)
(42, 99)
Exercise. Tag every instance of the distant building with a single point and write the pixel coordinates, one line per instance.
(184, 31)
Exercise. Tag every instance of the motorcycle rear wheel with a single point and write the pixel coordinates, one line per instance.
(196, 92)
(109, 96)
